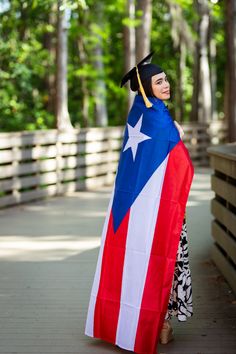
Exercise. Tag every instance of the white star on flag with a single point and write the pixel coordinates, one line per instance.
(135, 137)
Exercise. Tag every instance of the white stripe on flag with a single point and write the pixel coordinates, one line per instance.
(90, 316)
(141, 228)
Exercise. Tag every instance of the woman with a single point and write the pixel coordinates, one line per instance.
(134, 289)
(180, 302)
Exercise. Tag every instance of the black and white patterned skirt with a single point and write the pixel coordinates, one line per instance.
(180, 301)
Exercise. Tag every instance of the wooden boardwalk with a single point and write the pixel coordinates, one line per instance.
(48, 254)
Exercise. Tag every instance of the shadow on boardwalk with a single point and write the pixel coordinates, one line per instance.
(48, 255)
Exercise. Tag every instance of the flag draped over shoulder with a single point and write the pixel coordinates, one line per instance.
(141, 232)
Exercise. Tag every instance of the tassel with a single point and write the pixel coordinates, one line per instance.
(148, 104)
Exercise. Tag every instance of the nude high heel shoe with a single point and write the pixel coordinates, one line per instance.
(166, 334)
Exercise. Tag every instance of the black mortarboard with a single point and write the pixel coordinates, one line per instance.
(142, 71)
(146, 70)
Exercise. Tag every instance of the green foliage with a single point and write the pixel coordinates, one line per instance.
(218, 11)
(23, 63)
(26, 64)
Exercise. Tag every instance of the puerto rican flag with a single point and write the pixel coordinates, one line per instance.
(140, 237)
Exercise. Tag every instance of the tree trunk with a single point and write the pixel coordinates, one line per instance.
(202, 90)
(213, 73)
(179, 42)
(182, 64)
(62, 114)
(129, 44)
(49, 44)
(196, 70)
(84, 88)
(100, 91)
(143, 31)
(205, 99)
(23, 23)
(196, 85)
(230, 101)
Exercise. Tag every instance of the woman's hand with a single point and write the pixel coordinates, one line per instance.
(180, 129)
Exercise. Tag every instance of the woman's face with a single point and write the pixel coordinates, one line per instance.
(161, 86)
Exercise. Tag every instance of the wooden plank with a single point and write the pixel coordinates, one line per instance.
(89, 159)
(68, 138)
(224, 189)
(28, 196)
(38, 152)
(89, 183)
(99, 181)
(222, 134)
(197, 154)
(35, 153)
(98, 134)
(97, 158)
(8, 200)
(70, 149)
(92, 134)
(25, 182)
(8, 171)
(44, 137)
(7, 185)
(6, 156)
(194, 127)
(224, 240)
(92, 147)
(224, 165)
(198, 135)
(89, 171)
(199, 144)
(197, 148)
(226, 151)
(200, 163)
(27, 168)
(72, 186)
(225, 216)
(224, 266)
(49, 191)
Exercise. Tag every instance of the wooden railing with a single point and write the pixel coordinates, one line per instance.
(46, 163)
(199, 136)
(223, 181)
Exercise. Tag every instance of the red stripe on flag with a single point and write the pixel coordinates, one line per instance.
(109, 293)
(177, 182)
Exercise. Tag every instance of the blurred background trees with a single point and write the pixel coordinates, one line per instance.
(61, 62)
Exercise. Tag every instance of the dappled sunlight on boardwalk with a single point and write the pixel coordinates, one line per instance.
(48, 255)
(49, 249)
(55, 229)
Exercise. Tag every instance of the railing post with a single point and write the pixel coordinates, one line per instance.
(15, 177)
(223, 206)
(59, 172)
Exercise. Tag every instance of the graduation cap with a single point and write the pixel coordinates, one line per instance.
(142, 71)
